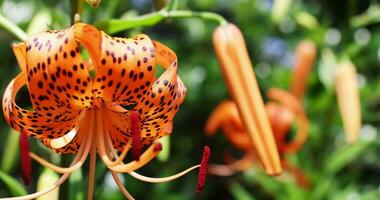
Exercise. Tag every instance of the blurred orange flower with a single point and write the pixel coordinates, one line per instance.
(283, 109)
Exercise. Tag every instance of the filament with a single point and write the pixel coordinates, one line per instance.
(120, 159)
(121, 186)
(91, 173)
(79, 159)
(163, 179)
(147, 156)
(59, 182)
(237, 166)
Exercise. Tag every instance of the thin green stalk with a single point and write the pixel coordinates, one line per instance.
(76, 8)
(191, 14)
(64, 189)
(12, 28)
(117, 25)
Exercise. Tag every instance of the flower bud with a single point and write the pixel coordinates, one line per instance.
(347, 91)
(238, 73)
(304, 60)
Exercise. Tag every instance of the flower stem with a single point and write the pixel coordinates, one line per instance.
(117, 25)
(191, 14)
(12, 28)
(76, 9)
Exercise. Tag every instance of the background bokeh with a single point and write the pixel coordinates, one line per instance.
(340, 29)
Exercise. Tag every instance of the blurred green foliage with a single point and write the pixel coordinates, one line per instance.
(340, 29)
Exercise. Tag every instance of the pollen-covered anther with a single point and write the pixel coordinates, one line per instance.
(157, 147)
(26, 164)
(203, 169)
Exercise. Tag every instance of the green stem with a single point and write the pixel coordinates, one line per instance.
(12, 28)
(64, 189)
(191, 14)
(76, 8)
(117, 25)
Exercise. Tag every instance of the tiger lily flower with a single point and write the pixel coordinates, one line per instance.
(238, 73)
(347, 90)
(123, 106)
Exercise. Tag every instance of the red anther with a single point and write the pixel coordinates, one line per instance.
(157, 147)
(134, 116)
(26, 163)
(203, 169)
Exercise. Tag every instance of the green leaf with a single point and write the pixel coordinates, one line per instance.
(10, 155)
(165, 153)
(40, 22)
(46, 179)
(75, 179)
(239, 192)
(116, 25)
(344, 156)
(15, 187)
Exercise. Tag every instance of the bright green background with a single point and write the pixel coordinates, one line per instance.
(335, 170)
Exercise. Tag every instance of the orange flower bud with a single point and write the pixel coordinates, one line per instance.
(238, 73)
(304, 60)
(348, 99)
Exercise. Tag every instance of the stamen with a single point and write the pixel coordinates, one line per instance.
(91, 173)
(110, 150)
(163, 179)
(203, 169)
(147, 156)
(26, 165)
(136, 134)
(110, 147)
(237, 166)
(78, 161)
(121, 186)
(63, 178)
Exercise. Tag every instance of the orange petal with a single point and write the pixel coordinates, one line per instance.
(226, 117)
(293, 105)
(57, 77)
(347, 91)
(225, 113)
(237, 69)
(20, 50)
(128, 67)
(158, 105)
(32, 123)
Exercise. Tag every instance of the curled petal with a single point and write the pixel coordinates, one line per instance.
(32, 123)
(57, 78)
(157, 107)
(226, 117)
(294, 105)
(124, 67)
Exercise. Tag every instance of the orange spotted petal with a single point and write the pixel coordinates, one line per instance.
(57, 77)
(32, 123)
(156, 108)
(124, 67)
